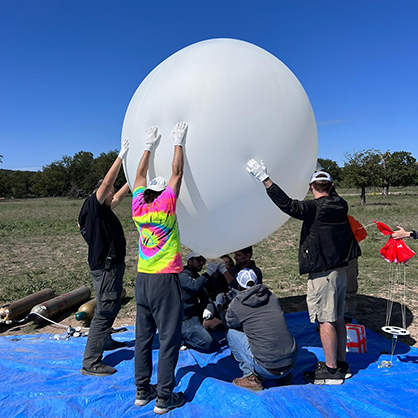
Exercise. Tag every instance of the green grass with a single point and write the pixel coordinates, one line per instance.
(41, 247)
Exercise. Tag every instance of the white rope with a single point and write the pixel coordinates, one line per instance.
(52, 322)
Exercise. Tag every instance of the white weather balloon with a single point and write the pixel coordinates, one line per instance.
(240, 102)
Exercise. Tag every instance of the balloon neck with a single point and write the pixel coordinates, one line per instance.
(80, 315)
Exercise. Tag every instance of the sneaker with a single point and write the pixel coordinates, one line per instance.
(145, 396)
(111, 344)
(99, 370)
(345, 370)
(251, 382)
(321, 376)
(162, 406)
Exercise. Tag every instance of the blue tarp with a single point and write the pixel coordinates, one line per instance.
(40, 376)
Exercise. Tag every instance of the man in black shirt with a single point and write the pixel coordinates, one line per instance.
(103, 233)
(327, 244)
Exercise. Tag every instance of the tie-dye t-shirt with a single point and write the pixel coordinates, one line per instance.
(159, 239)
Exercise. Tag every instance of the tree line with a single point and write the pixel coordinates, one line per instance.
(71, 176)
(372, 168)
(76, 176)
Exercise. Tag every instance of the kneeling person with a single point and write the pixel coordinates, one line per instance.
(258, 336)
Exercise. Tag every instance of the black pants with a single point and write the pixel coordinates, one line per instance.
(158, 306)
(108, 288)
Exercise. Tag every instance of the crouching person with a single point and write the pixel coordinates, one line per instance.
(198, 309)
(258, 336)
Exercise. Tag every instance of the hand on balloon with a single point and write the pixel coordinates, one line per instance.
(179, 133)
(258, 170)
(152, 138)
(124, 149)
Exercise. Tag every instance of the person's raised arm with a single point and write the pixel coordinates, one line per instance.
(259, 171)
(178, 135)
(120, 195)
(150, 143)
(107, 185)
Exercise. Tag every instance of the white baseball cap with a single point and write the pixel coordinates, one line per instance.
(158, 184)
(245, 276)
(320, 176)
(193, 254)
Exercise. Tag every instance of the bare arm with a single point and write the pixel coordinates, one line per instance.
(108, 181)
(112, 174)
(120, 195)
(177, 170)
(151, 142)
(177, 166)
(267, 183)
(141, 171)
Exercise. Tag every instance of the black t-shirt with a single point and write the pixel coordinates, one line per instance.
(103, 233)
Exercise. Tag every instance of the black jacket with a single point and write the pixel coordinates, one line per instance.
(257, 312)
(326, 239)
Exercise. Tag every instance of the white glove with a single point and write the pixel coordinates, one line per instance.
(259, 171)
(152, 138)
(220, 299)
(179, 133)
(207, 314)
(212, 268)
(124, 149)
(222, 265)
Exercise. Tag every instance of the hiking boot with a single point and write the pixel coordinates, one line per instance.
(144, 396)
(251, 382)
(111, 344)
(99, 370)
(162, 406)
(322, 376)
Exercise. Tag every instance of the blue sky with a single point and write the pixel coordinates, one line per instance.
(68, 69)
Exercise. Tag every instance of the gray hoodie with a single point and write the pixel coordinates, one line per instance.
(257, 312)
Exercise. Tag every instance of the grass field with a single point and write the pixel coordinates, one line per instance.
(40, 246)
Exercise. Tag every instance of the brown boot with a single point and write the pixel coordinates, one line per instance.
(250, 382)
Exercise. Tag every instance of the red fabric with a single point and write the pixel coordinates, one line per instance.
(395, 250)
(384, 229)
(358, 229)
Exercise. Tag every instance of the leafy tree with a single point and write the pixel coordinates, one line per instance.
(80, 170)
(399, 169)
(20, 183)
(102, 164)
(54, 179)
(332, 168)
(5, 190)
(363, 169)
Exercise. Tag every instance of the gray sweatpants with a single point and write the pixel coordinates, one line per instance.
(108, 288)
(158, 306)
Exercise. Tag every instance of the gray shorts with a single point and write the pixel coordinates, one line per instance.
(326, 294)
